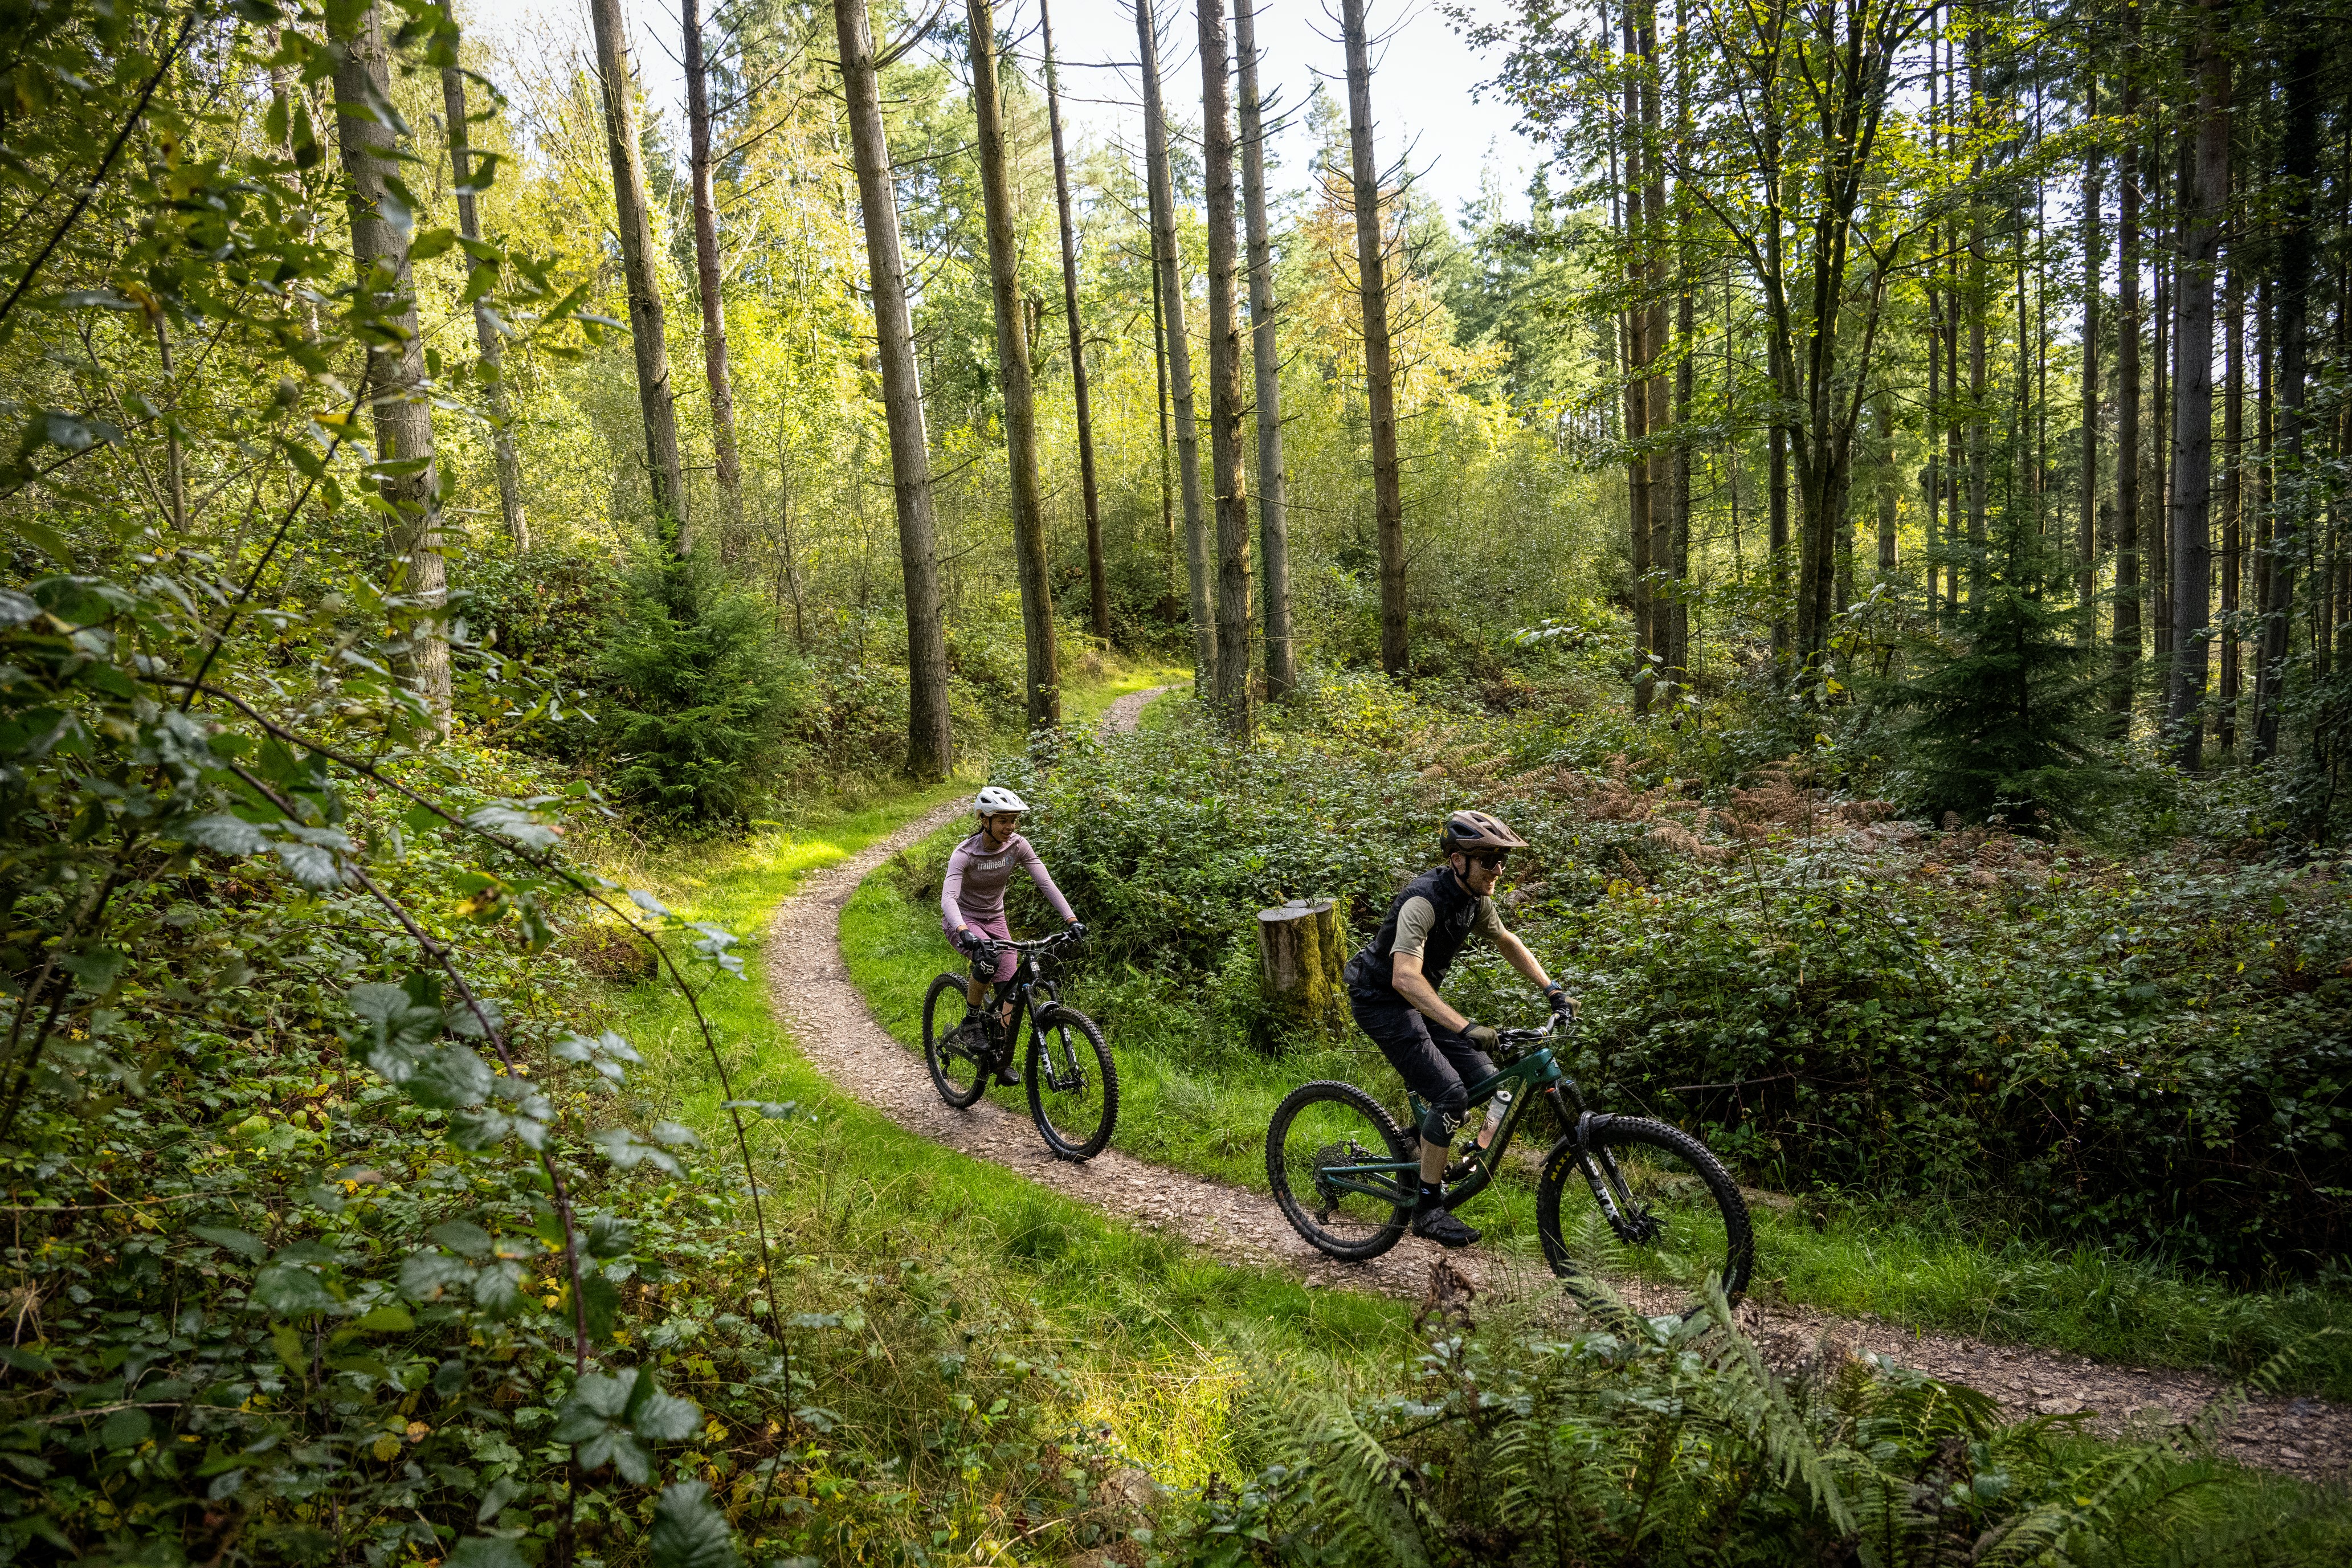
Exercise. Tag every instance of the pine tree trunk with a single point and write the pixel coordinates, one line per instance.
(2234, 435)
(1044, 675)
(1098, 585)
(1776, 486)
(1167, 466)
(486, 330)
(1273, 525)
(1656, 388)
(1379, 384)
(1640, 501)
(930, 739)
(395, 360)
(1890, 486)
(2086, 546)
(1232, 682)
(2204, 196)
(2296, 248)
(1179, 352)
(2131, 168)
(729, 466)
(655, 395)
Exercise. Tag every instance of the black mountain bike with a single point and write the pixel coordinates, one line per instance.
(1072, 1083)
(1665, 1214)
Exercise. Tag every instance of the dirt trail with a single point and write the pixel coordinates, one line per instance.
(811, 990)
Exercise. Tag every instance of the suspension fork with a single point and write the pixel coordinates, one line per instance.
(1600, 1172)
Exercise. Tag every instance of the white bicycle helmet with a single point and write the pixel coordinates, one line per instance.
(996, 798)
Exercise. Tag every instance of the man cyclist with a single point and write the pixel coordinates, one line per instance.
(1392, 990)
(971, 897)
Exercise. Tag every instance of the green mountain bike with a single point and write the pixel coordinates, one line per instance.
(1072, 1083)
(1664, 1214)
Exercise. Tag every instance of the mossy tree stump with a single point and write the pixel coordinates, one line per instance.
(1300, 955)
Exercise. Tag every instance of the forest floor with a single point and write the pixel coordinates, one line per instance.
(811, 990)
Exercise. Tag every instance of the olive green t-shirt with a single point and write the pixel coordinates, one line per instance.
(1414, 919)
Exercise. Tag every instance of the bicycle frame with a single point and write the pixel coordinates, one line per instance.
(1023, 990)
(1538, 1073)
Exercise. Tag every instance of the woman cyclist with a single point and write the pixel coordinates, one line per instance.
(972, 899)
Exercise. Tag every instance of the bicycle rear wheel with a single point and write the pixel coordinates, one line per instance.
(1317, 1135)
(1659, 1215)
(958, 1069)
(1072, 1083)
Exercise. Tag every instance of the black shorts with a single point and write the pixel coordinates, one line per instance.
(1435, 1063)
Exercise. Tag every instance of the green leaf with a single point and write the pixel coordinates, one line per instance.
(433, 242)
(448, 1078)
(425, 1275)
(292, 1353)
(462, 1236)
(659, 1417)
(234, 1241)
(223, 834)
(385, 1320)
(289, 1289)
(126, 1429)
(498, 1288)
(485, 1552)
(688, 1531)
(627, 1150)
(609, 1237)
(600, 1300)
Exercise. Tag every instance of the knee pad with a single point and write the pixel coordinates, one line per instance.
(1444, 1118)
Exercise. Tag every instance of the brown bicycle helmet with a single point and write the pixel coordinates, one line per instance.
(1467, 832)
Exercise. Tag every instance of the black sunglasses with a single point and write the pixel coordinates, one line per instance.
(1488, 857)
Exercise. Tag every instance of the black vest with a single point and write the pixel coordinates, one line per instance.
(1457, 907)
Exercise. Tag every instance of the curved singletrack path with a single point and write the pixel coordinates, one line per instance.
(810, 989)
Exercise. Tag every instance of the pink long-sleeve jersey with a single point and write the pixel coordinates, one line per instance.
(977, 876)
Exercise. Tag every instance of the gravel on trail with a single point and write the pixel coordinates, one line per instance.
(810, 989)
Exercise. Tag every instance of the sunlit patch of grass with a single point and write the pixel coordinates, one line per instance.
(1172, 1414)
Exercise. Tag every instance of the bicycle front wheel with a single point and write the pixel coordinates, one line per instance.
(1340, 1170)
(1657, 1216)
(958, 1071)
(1072, 1083)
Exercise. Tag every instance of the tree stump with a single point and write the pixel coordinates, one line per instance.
(1300, 956)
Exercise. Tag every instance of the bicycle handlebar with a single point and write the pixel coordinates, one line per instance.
(1034, 944)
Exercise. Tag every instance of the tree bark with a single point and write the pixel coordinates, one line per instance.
(2233, 496)
(2290, 485)
(486, 329)
(1232, 686)
(931, 740)
(1300, 958)
(655, 395)
(2203, 198)
(1641, 500)
(2087, 548)
(1273, 524)
(395, 358)
(1180, 351)
(1776, 502)
(1098, 585)
(727, 463)
(1045, 674)
(1380, 385)
(2131, 169)
(1889, 486)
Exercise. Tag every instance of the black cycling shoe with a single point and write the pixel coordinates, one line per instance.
(1440, 1225)
(1005, 1076)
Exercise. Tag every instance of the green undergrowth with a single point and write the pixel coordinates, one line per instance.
(1195, 1098)
(1273, 1413)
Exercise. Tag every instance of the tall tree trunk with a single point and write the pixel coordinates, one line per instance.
(395, 360)
(485, 327)
(1231, 685)
(2086, 545)
(930, 739)
(655, 395)
(1379, 384)
(1179, 351)
(2131, 168)
(1045, 673)
(1639, 500)
(1776, 502)
(728, 464)
(1657, 388)
(1265, 356)
(2299, 158)
(1890, 488)
(1167, 467)
(2234, 495)
(2156, 496)
(2203, 199)
(1097, 586)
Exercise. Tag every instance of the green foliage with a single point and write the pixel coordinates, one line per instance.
(699, 695)
(1522, 1441)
